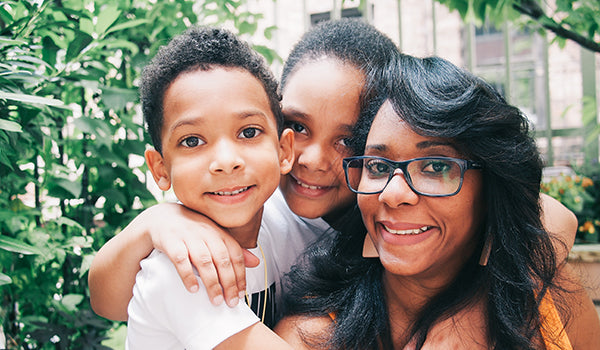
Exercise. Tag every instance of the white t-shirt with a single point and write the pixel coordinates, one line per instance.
(164, 315)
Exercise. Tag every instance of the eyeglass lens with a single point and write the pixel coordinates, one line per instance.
(433, 176)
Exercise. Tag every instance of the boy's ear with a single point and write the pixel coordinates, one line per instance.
(157, 167)
(286, 151)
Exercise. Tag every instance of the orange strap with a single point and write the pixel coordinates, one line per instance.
(553, 330)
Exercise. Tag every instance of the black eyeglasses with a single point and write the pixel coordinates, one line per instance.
(428, 176)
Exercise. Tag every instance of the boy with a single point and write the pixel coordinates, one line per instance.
(212, 110)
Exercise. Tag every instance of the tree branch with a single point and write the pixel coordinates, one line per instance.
(533, 10)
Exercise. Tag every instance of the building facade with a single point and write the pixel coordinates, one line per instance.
(547, 82)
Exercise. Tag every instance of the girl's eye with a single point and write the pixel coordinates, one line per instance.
(296, 127)
(249, 133)
(192, 141)
(343, 146)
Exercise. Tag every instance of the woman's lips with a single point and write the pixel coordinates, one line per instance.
(413, 231)
(404, 234)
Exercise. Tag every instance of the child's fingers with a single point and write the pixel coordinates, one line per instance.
(227, 254)
(178, 253)
(214, 266)
(250, 260)
(239, 267)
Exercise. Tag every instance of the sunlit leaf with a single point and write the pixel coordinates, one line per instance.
(30, 99)
(10, 126)
(70, 301)
(8, 41)
(126, 25)
(108, 15)
(4, 279)
(17, 246)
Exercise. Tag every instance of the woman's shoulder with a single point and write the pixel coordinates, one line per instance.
(577, 311)
(466, 329)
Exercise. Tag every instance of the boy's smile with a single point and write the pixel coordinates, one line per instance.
(220, 147)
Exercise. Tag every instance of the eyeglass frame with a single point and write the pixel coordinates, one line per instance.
(464, 165)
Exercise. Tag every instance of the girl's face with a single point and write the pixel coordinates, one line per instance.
(426, 237)
(321, 105)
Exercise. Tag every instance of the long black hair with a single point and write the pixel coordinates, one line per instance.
(438, 99)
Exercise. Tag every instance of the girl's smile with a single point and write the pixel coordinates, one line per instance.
(321, 105)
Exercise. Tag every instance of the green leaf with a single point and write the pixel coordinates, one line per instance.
(118, 98)
(64, 188)
(70, 301)
(30, 99)
(81, 41)
(10, 126)
(268, 32)
(12, 42)
(247, 28)
(108, 15)
(85, 264)
(63, 220)
(4, 279)
(17, 246)
(126, 25)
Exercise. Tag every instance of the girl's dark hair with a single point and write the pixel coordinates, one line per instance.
(351, 41)
(438, 99)
(200, 48)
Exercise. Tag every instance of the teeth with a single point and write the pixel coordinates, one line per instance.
(232, 193)
(308, 186)
(407, 232)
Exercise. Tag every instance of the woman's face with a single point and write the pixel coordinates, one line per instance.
(321, 104)
(415, 235)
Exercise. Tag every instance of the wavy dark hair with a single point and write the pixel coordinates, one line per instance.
(200, 48)
(350, 41)
(438, 99)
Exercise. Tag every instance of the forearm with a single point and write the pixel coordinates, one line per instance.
(113, 270)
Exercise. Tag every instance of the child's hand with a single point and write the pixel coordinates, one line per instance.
(189, 238)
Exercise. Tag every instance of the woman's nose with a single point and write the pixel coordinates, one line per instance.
(398, 192)
(225, 159)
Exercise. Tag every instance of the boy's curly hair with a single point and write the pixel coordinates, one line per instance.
(200, 48)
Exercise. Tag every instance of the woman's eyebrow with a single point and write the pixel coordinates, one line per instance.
(376, 148)
(433, 143)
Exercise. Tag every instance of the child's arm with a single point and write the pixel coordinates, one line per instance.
(561, 223)
(256, 337)
(187, 238)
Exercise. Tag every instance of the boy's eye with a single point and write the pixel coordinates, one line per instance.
(249, 133)
(296, 127)
(191, 141)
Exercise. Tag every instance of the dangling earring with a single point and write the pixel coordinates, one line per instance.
(487, 250)
(369, 250)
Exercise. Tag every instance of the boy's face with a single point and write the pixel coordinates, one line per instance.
(221, 151)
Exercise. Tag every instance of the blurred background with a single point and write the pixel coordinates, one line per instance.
(72, 173)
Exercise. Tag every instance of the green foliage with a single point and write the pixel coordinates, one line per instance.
(70, 141)
(581, 194)
(577, 20)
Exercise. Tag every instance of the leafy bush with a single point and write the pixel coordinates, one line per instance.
(71, 175)
(581, 194)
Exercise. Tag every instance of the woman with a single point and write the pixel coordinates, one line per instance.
(323, 86)
(448, 188)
